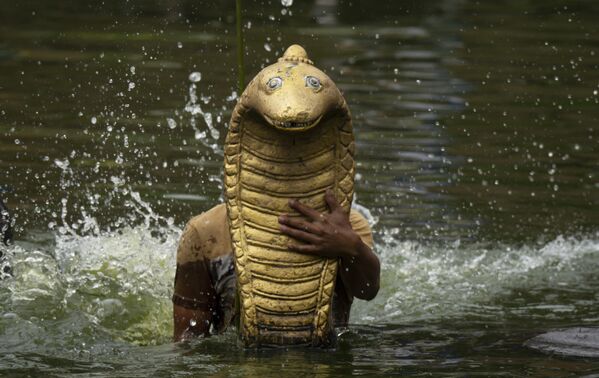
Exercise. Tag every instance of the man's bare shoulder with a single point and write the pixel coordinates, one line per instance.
(361, 227)
(210, 220)
(205, 236)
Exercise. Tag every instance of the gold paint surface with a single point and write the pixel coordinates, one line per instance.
(290, 136)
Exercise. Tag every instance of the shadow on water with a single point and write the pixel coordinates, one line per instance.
(477, 158)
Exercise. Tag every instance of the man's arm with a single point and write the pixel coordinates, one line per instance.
(331, 235)
(194, 299)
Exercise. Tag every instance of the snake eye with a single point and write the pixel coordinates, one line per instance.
(274, 83)
(312, 82)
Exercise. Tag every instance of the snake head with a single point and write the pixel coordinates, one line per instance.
(292, 94)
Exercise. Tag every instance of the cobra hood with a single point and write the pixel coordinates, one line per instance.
(290, 136)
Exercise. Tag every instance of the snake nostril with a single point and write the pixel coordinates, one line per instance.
(303, 116)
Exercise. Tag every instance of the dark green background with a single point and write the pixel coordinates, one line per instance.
(478, 140)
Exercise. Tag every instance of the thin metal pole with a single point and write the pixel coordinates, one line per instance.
(240, 71)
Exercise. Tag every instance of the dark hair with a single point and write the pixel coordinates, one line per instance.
(5, 228)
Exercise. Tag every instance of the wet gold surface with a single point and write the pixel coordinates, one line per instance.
(289, 137)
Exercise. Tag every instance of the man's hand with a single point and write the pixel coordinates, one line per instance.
(327, 235)
(331, 235)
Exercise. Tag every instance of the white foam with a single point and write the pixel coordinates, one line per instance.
(121, 281)
(421, 282)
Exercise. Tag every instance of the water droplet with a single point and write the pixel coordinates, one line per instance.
(132, 69)
(192, 322)
(267, 47)
(194, 77)
(131, 85)
(94, 120)
(171, 123)
(286, 3)
(179, 45)
(232, 97)
(62, 164)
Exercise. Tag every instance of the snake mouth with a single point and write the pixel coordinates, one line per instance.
(292, 125)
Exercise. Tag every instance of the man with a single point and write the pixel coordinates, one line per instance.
(290, 136)
(204, 298)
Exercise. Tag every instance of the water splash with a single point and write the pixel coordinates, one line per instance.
(208, 138)
(422, 282)
(84, 281)
(116, 283)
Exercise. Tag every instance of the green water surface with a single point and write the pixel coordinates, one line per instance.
(478, 157)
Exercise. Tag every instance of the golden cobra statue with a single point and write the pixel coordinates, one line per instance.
(290, 136)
